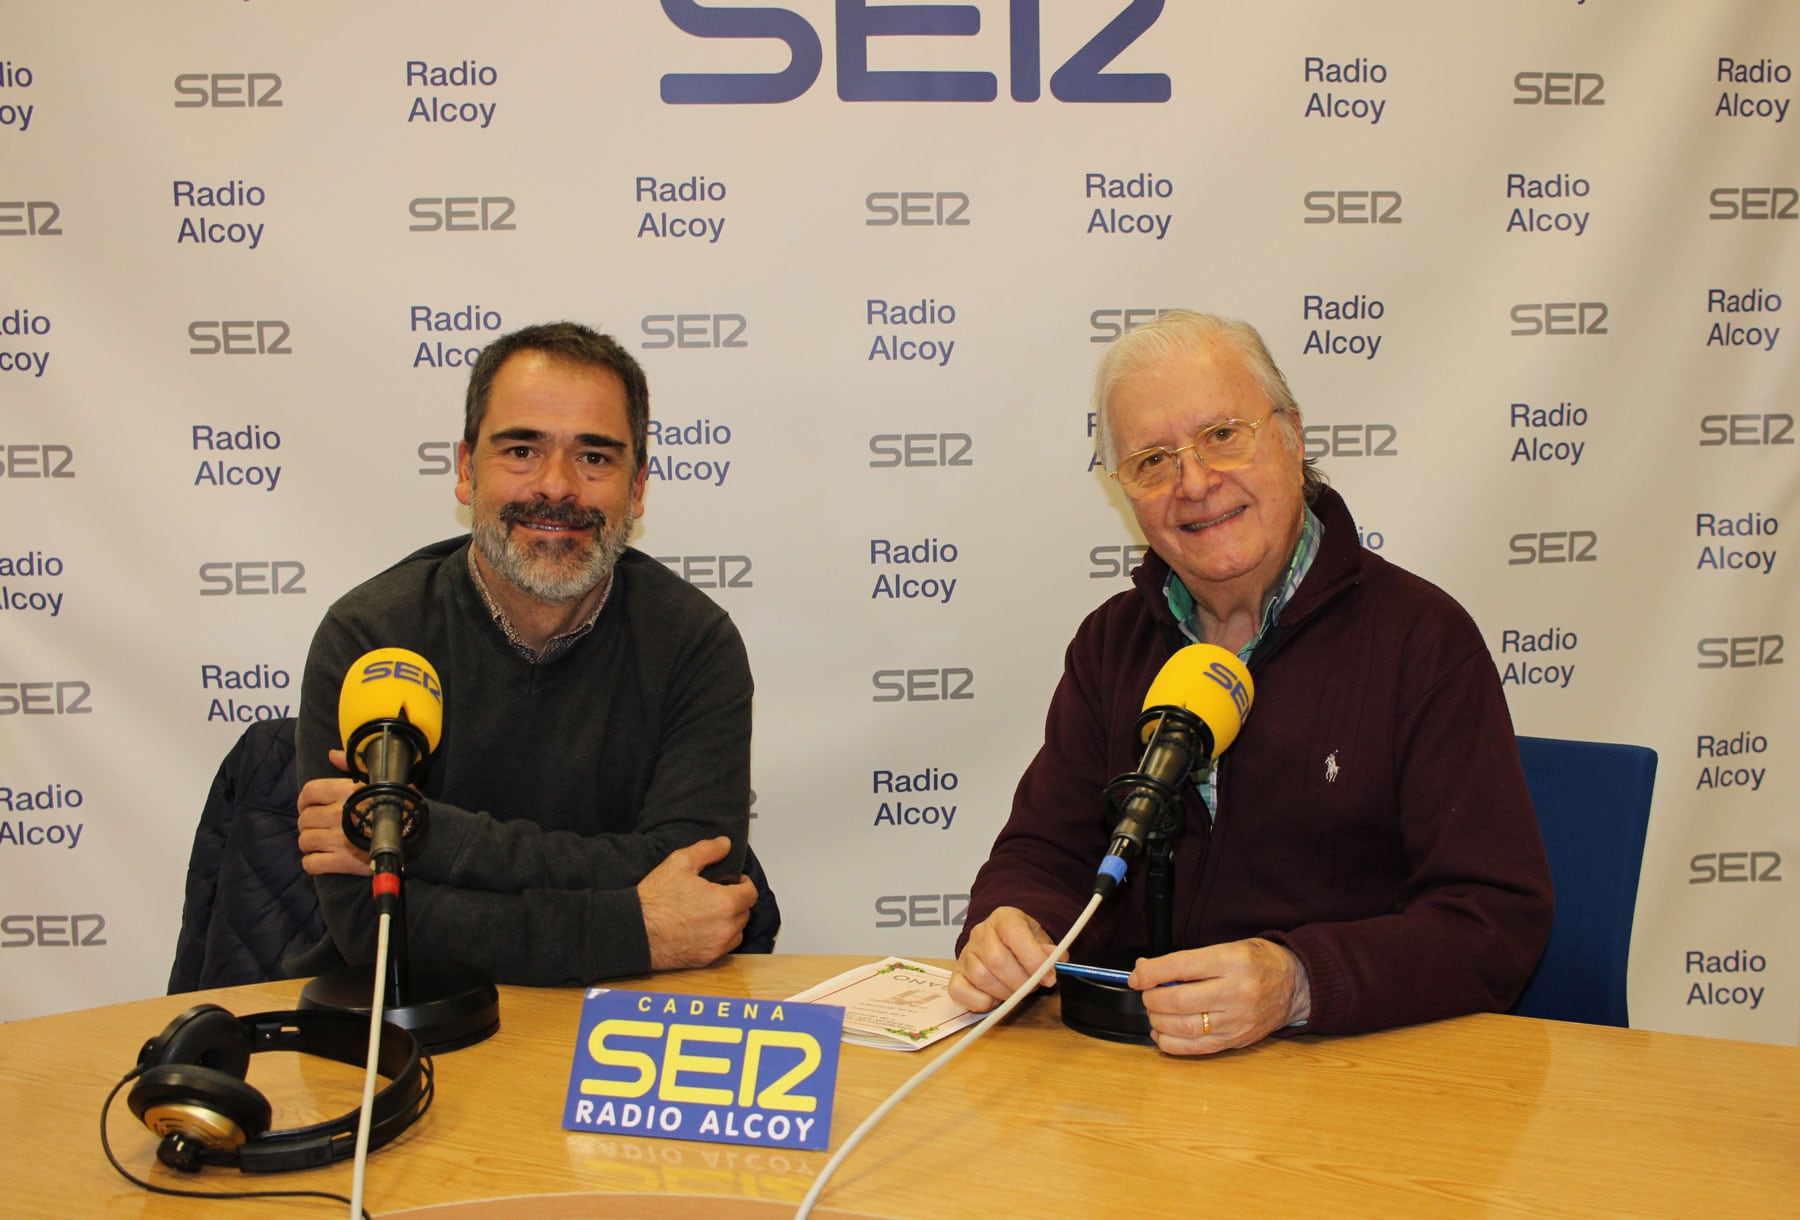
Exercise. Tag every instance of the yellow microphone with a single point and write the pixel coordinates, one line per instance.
(1208, 681)
(391, 716)
(390, 684)
(1192, 713)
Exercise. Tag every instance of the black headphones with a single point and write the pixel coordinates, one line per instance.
(190, 1088)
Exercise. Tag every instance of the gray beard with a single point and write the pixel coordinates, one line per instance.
(554, 572)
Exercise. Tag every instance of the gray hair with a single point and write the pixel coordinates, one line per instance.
(1180, 331)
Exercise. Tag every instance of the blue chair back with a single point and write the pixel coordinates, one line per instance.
(1593, 807)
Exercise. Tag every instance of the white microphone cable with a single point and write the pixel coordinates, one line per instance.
(365, 1120)
(924, 1073)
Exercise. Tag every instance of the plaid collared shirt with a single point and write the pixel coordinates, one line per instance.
(556, 645)
(1181, 604)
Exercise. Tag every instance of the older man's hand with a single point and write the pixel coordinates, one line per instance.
(1222, 996)
(1002, 952)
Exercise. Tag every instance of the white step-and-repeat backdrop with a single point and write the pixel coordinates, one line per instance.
(1526, 266)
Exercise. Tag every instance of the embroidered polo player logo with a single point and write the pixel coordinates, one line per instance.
(1331, 767)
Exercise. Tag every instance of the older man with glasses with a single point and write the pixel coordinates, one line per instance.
(1366, 854)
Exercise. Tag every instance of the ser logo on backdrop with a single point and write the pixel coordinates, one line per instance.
(711, 571)
(1350, 440)
(45, 461)
(1558, 89)
(1115, 560)
(1080, 78)
(1560, 318)
(57, 697)
(1747, 428)
(437, 457)
(892, 449)
(1740, 651)
(1353, 207)
(252, 578)
(227, 90)
(30, 218)
(950, 683)
(1109, 325)
(1734, 867)
(52, 931)
(239, 337)
(921, 910)
(462, 214)
(1754, 203)
(694, 330)
(917, 209)
(1553, 547)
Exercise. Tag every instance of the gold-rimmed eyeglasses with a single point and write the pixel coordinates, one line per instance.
(1226, 445)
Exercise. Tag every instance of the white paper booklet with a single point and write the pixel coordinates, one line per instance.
(893, 1004)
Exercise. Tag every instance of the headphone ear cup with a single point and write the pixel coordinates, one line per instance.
(206, 1036)
(215, 1108)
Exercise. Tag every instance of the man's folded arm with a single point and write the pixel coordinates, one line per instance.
(540, 938)
(700, 789)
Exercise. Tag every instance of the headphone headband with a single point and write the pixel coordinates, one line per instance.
(205, 1051)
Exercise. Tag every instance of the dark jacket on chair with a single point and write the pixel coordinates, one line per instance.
(249, 903)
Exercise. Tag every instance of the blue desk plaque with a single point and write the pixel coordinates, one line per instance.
(690, 1067)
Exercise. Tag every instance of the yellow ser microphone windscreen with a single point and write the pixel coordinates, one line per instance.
(1210, 682)
(392, 683)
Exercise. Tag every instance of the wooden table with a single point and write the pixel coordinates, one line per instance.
(1484, 1115)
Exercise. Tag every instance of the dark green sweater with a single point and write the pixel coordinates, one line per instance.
(558, 784)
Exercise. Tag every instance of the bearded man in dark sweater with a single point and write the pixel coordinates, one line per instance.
(590, 798)
(1366, 853)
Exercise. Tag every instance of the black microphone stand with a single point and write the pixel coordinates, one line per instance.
(1116, 1012)
(1159, 882)
(1159, 872)
(445, 1005)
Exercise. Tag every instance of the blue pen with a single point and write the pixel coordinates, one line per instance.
(1095, 974)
